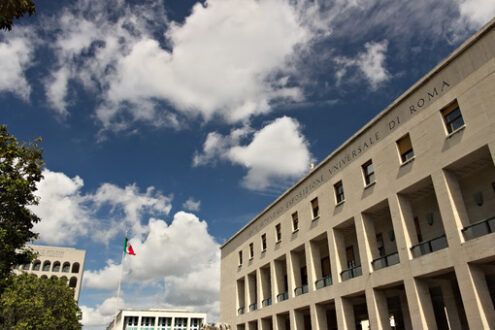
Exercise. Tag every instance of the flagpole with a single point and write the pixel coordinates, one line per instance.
(121, 275)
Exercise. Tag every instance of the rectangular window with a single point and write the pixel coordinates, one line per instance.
(339, 192)
(251, 250)
(304, 275)
(278, 232)
(240, 258)
(315, 208)
(325, 266)
(379, 244)
(351, 262)
(295, 221)
(405, 148)
(263, 242)
(368, 172)
(453, 117)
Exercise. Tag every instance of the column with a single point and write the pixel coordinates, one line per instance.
(420, 306)
(320, 320)
(310, 266)
(451, 206)
(292, 320)
(363, 239)
(333, 254)
(403, 223)
(337, 254)
(377, 309)
(299, 318)
(345, 314)
(259, 289)
(476, 298)
(294, 274)
(273, 283)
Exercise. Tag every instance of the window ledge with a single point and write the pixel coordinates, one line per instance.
(340, 203)
(251, 258)
(316, 218)
(456, 131)
(263, 251)
(278, 242)
(408, 161)
(295, 230)
(239, 266)
(370, 185)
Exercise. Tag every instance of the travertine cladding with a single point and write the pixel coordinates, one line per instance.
(435, 193)
(70, 257)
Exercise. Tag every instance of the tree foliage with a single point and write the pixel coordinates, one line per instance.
(30, 302)
(20, 170)
(14, 8)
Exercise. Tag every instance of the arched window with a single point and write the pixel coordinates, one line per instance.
(53, 276)
(46, 266)
(66, 267)
(73, 282)
(37, 265)
(26, 266)
(56, 266)
(75, 267)
(44, 276)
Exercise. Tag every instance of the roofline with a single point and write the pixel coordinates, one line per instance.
(456, 53)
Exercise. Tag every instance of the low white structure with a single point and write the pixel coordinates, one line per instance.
(157, 319)
(60, 262)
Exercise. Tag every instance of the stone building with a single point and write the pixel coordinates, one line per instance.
(157, 319)
(395, 228)
(61, 262)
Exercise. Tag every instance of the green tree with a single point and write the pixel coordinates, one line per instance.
(30, 302)
(14, 8)
(20, 170)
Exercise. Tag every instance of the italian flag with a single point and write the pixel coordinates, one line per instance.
(128, 247)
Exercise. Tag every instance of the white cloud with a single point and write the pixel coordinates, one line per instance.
(100, 315)
(177, 249)
(132, 203)
(371, 63)
(277, 153)
(476, 12)
(225, 60)
(67, 214)
(191, 205)
(64, 216)
(16, 55)
(182, 255)
(220, 65)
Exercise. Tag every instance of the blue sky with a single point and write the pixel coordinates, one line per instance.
(181, 120)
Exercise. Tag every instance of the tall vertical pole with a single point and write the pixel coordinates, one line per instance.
(121, 274)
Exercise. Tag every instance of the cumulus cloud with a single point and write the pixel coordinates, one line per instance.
(16, 55)
(275, 155)
(476, 12)
(191, 205)
(228, 59)
(67, 213)
(102, 314)
(370, 63)
(224, 61)
(183, 256)
(62, 209)
(166, 250)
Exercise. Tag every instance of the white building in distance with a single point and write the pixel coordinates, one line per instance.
(60, 262)
(157, 319)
